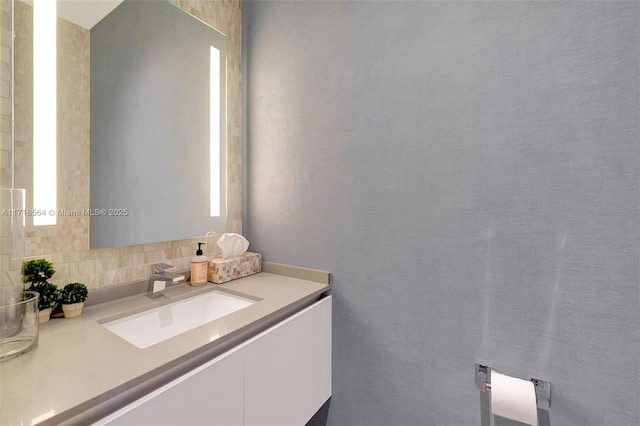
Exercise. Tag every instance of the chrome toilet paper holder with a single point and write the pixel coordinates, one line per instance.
(542, 387)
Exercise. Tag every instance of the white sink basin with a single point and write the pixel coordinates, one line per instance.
(156, 325)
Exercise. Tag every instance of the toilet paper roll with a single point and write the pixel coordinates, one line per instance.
(513, 399)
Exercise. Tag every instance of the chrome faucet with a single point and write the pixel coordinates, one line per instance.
(162, 275)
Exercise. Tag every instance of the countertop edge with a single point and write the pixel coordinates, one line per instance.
(315, 275)
(102, 405)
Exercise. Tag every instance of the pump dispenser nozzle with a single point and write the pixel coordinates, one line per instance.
(199, 251)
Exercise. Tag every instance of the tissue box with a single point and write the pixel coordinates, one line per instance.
(223, 270)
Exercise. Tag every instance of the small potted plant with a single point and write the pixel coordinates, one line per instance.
(72, 298)
(49, 296)
(37, 272)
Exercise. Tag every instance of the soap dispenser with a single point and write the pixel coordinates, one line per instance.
(199, 268)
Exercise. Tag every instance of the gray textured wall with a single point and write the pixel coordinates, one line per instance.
(150, 124)
(469, 173)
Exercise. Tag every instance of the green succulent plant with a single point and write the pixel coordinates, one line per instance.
(73, 293)
(37, 272)
(49, 295)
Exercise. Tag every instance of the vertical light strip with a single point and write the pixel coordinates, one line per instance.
(44, 112)
(214, 136)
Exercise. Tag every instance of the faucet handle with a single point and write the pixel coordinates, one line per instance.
(162, 269)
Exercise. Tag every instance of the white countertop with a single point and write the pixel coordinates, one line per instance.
(78, 360)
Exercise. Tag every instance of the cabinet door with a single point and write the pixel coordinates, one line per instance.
(209, 395)
(288, 369)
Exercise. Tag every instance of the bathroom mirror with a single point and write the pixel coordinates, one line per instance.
(157, 125)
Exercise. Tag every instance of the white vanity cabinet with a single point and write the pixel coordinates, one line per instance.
(280, 377)
(211, 394)
(288, 369)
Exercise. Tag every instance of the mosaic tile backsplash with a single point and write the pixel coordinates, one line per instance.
(66, 244)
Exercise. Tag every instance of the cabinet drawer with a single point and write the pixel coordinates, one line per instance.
(288, 369)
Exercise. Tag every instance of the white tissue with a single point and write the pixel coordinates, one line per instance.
(513, 399)
(232, 245)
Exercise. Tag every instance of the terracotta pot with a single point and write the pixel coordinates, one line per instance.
(44, 315)
(72, 310)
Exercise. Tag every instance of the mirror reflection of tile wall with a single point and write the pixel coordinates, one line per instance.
(6, 137)
(66, 244)
(5, 95)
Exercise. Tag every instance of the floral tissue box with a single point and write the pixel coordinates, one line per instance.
(223, 270)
